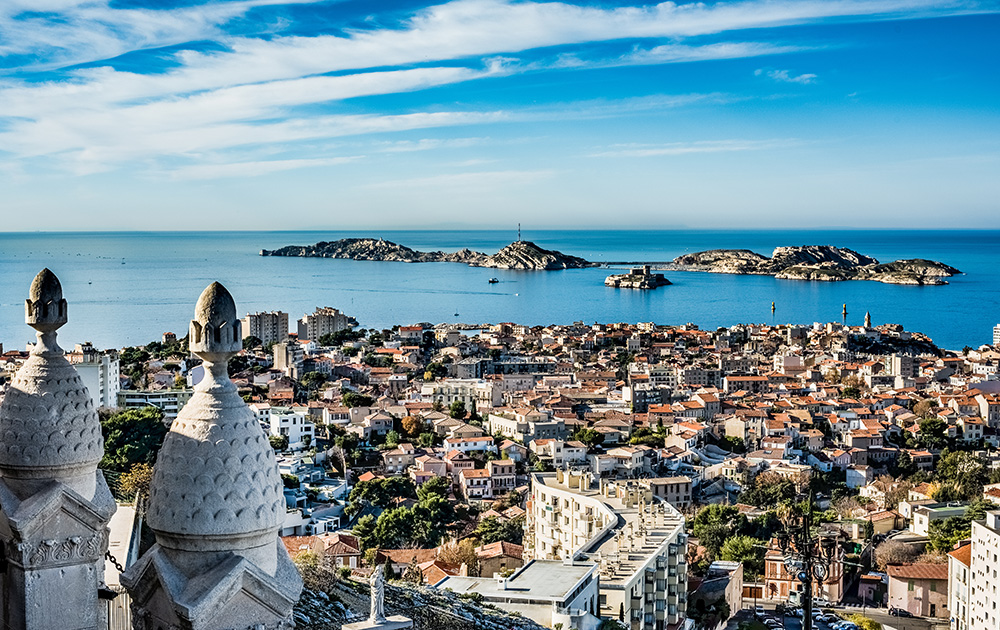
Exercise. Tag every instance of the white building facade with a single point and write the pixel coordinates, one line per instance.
(100, 373)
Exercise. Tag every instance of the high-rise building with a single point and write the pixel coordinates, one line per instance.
(996, 335)
(270, 327)
(637, 540)
(982, 612)
(323, 321)
(99, 371)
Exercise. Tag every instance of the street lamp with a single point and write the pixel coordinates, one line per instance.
(806, 556)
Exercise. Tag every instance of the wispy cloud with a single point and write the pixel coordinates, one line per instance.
(275, 89)
(684, 148)
(785, 76)
(254, 169)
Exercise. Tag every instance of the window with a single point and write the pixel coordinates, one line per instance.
(909, 585)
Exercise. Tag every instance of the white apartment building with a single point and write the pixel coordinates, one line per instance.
(527, 425)
(983, 580)
(99, 371)
(169, 401)
(270, 327)
(474, 393)
(959, 562)
(996, 335)
(641, 562)
(323, 321)
(294, 425)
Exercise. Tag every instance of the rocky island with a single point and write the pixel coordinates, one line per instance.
(518, 255)
(816, 262)
(637, 278)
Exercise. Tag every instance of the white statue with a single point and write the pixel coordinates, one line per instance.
(377, 582)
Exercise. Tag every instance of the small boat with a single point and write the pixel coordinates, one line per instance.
(456, 314)
(493, 281)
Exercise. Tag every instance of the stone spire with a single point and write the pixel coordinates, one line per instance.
(868, 320)
(216, 504)
(54, 503)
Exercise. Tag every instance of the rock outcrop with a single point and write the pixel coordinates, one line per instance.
(517, 255)
(816, 262)
(527, 255)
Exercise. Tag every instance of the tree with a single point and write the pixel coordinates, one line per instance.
(354, 399)
(391, 439)
(251, 342)
(590, 437)
(364, 530)
(492, 529)
(426, 440)
(457, 409)
(278, 442)
(769, 489)
(290, 481)
(312, 380)
(435, 486)
(459, 552)
(714, 524)
(412, 425)
(745, 549)
(924, 408)
(131, 437)
(894, 552)
(933, 432)
(135, 483)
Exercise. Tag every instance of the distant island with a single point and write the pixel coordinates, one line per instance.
(807, 262)
(816, 262)
(518, 255)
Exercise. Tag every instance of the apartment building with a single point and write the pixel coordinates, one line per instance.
(321, 322)
(637, 541)
(100, 373)
(169, 401)
(269, 327)
(525, 425)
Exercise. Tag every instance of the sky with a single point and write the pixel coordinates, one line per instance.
(274, 114)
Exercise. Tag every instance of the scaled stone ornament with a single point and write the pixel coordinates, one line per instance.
(216, 503)
(54, 503)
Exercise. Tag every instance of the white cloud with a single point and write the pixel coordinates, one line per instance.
(785, 76)
(256, 91)
(254, 169)
(684, 148)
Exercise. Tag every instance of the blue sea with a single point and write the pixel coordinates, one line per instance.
(127, 288)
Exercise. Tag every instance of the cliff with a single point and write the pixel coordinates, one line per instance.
(816, 262)
(517, 255)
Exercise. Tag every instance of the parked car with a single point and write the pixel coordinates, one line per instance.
(899, 612)
(758, 612)
(794, 612)
(821, 602)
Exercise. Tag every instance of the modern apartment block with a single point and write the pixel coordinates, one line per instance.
(996, 335)
(270, 327)
(169, 401)
(636, 539)
(99, 371)
(323, 321)
(983, 581)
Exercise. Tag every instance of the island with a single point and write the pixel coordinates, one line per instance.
(523, 255)
(816, 262)
(637, 278)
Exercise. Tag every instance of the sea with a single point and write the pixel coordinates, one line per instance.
(128, 288)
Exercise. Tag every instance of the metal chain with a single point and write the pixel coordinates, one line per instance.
(114, 561)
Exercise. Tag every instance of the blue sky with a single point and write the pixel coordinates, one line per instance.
(266, 114)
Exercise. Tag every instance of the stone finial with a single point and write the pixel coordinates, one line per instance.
(45, 309)
(215, 329)
(48, 422)
(216, 503)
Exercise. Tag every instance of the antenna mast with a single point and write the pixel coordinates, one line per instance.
(518, 232)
